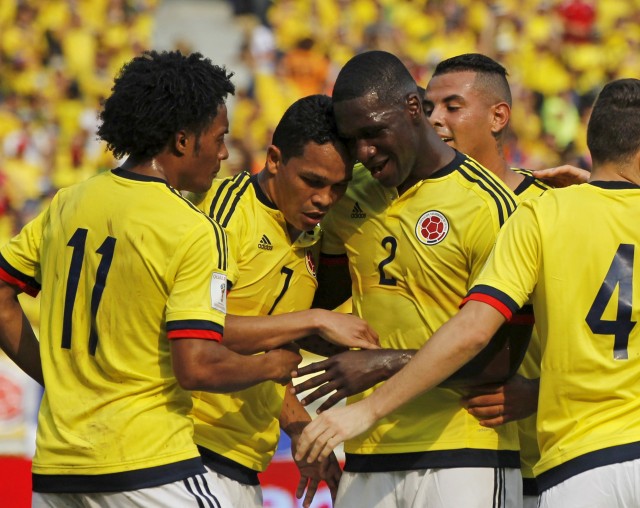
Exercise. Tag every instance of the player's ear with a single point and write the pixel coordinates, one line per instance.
(414, 106)
(274, 159)
(180, 142)
(500, 115)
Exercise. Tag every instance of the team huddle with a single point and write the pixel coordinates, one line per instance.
(174, 304)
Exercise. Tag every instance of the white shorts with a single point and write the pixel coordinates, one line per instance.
(432, 488)
(612, 486)
(530, 502)
(195, 491)
(242, 495)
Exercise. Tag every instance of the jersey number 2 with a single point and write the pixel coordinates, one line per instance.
(393, 245)
(78, 241)
(620, 274)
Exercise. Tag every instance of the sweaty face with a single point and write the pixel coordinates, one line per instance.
(305, 187)
(380, 136)
(202, 158)
(459, 112)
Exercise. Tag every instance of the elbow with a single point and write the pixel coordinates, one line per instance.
(199, 380)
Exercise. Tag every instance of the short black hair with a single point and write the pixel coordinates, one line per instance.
(307, 120)
(491, 75)
(613, 132)
(156, 95)
(376, 72)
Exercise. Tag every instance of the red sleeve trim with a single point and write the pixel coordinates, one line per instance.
(194, 334)
(30, 290)
(490, 300)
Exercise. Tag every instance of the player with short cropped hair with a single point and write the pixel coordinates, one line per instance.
(587, 305)
(272, 220)
(133, 281)
(468, 102)
(416, 225)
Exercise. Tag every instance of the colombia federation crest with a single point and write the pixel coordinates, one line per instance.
(432, 227)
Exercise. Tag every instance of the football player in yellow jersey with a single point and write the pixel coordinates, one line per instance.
(272, 220)
(134, 283)
(572, 252)
(468, 102)
(417, 224)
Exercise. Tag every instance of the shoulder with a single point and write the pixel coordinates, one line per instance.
(225, 196)
(488, 188)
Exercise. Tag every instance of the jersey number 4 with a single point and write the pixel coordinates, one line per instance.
(620, 274)
(78, 242)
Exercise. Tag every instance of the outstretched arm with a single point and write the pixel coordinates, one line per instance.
(348, 373)
(251, 334)
(16, 335)
(207, 365)
(453, 345)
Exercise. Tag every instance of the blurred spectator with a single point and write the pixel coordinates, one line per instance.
(58, 60)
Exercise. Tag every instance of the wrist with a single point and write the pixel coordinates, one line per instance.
(316, 321)
(395, 362)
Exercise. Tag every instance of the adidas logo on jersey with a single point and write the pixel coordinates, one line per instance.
(265, 243)
(357, 212)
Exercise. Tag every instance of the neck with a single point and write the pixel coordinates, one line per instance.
(615, 172)
(433, 156)
(148, 167)
(502, 170)
(265, 180)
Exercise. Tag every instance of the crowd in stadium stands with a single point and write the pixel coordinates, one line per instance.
(58, 59)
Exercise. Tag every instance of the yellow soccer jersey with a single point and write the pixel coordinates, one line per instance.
(275, 276)
(573, 251)
(412, 259)
(530, 187)
(124, 262)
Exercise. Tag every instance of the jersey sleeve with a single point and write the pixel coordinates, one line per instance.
(480, 240)
(20, 258)
(511, 272)
(197, 302)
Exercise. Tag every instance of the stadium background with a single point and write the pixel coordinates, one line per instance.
(58, 59)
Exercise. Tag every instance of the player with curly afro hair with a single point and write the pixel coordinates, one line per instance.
(157, 94)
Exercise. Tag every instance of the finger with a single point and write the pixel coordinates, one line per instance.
(494, 422)
(313, 382)
(302, 485)
(365, 344)
(318, 447)
(331, 401)
(311, 492)
(485, 400)
(317, 394)
(307, 438)
(486, 412)
(313, 367)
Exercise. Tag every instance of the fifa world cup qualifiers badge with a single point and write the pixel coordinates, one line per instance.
(219, 292)
(432, 227)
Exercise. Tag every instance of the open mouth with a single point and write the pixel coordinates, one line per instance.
(377, 168)
(314, 216)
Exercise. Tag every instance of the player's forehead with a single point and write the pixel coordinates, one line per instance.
(327, 163)
(355, 116)
(461, 84)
